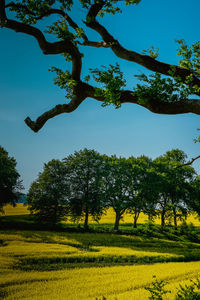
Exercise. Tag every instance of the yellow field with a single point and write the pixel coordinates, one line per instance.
(78, 266)
(20, 209)
(107, 218)
(123, 282)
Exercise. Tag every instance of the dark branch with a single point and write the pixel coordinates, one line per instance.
(143, 60)
(46, 47)
(82, 90)
(57, 110)
(47, 14)
(94, 44)
(188, 163)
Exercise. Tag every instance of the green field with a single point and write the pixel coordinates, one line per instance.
(38, 264)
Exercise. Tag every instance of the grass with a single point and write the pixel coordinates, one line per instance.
(37, 264)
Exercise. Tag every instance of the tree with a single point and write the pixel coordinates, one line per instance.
(174, 184)
(86, 168)
(193, 201)
(148, 186)
(48, 195)
(141, 187)
(116, 186)
(171, 95)
(10, 185)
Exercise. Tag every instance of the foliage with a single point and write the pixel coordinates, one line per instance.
(165, 89)
(161, 92)
(157, 289)
(174, 183)
(48, 195)
(152, 52)
(142, 189)
(60, 29)
(190, 56)
(159, 88)
(92, 182)
(85, 182)
(10, 185)
(112, 79)
(189, 292)
(116, 186)
(64, 81)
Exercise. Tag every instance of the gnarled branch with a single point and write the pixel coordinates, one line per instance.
(47, 13)
(141, 59)
(59, 47)
(83, 90)
(57, 110)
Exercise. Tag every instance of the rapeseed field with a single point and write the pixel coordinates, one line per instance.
(52, 265)
(107, 218)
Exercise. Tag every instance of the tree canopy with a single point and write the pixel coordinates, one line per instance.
(48, 195)
(10, 185)
(170, 89)
(85, 169)
(86, 183)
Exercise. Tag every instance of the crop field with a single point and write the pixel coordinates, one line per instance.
(87, 265)
(107, 218)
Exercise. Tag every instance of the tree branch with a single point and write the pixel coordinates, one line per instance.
(154, 105)
(84, 90)
(47, 14)
(57, 110)
(189, 162)
(141, 59)
(94, 44)
(46, 47)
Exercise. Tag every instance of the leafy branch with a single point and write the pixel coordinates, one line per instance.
(112, 79)
(160, 88)
(64, 81)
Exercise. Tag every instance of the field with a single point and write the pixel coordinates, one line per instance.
(38, 264)
(107, 218)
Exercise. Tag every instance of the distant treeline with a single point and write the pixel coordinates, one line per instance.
(86, 183)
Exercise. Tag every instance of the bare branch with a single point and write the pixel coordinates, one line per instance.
(94, 44)
(57, 110)
(188, 163)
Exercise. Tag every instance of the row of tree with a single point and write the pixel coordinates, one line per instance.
(87, 183)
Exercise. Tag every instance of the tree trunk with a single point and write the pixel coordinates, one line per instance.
(86, 218)
(163, 218)
(117, 219)
(136, 216)
(175, 218)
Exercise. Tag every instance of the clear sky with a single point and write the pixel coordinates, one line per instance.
(27, 89)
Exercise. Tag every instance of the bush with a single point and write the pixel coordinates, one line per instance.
(187, 292)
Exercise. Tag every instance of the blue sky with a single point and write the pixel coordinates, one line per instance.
(27, 89)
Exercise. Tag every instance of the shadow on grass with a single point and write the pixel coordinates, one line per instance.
(4, 293)
(60, 263)
(140, 239)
